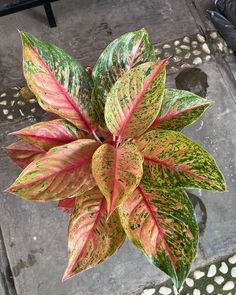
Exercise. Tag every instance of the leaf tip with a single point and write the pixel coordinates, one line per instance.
(65, 278)
(8, 190)
(6, 148)
(67, 275)
(225, 188)
(177, 289)
(143, 31)
(26, 38)
(13, 133)
(166, 61)
(109, 214)
(111, 207)
(211, 102)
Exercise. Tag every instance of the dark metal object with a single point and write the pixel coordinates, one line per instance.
(50, 15)
(9, 7)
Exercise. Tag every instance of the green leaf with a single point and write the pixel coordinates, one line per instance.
(92, 237)
(173, 160)
(59, 82)
(179, 109)
(117, 171)
(135, 100)
(121, 55)
(46, 135)
(23, 153)
(161, 223)
(63, 172)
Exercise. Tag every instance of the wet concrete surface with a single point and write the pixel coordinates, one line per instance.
(193, 80)
(35, 234)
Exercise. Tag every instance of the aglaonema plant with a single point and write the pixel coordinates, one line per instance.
(115, 158)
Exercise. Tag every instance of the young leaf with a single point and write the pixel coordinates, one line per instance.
(179, 109)
(135, 100)
(161, 223)
(117, 171)
(121, 55)
(92, 238)
(59, 82)
(63, 172)
(173, 160)
(23, 153)
(46, 135)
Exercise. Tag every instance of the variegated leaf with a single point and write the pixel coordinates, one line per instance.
(161, 223)
(68, 205)
(92, 238)
(179, 109)
(23, 153)
(59, 82)
(121, 55)
(135, 100)
(64, 171)
(117, 171)
(46, 135)
(173, 160)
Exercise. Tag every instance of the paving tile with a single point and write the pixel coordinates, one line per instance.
(217, 277)
(15, 107)
(86, 27)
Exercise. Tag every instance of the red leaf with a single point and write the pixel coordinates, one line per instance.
(117, 171)
(63, 172)
(92, 238)
(67, 205)
(46, 135)
(60, 83)
(135, 100)
(23, 153)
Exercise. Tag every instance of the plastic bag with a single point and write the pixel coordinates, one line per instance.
(228, 9)
(224, 27)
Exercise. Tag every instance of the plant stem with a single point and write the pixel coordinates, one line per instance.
(96, 137)
(117, 141)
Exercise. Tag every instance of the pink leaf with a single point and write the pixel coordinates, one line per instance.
(23, 153)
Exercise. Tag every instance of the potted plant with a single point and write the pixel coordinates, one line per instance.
(115, 159)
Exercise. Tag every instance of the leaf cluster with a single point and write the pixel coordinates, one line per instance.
(115, 158)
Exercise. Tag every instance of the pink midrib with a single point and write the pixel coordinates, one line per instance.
(115, 188)
(102, 203)
(131, 63)
(75, 166)
(63, 91)
(170, 116)
(47, 138)
(39, 151)
(139, 97)
(160, 231)
(173, 167)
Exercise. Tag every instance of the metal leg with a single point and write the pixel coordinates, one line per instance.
(50, 15)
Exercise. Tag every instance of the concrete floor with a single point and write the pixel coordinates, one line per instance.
(86, 27)
(33, 236)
